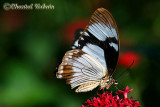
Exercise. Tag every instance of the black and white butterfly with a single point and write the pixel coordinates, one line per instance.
(94, 54)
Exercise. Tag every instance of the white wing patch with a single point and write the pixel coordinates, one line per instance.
(96, 52)
(80, 68)
(115, 46)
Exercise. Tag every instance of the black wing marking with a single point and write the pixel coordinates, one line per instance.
(77, 34)
(100, 39)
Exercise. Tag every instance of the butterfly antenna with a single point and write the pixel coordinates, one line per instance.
(128, 69)
(116, 87)
(131, 65)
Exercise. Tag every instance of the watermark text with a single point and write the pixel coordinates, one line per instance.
(32, 6)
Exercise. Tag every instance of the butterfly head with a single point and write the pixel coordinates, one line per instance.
(107, 82)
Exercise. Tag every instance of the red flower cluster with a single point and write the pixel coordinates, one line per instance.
(107, 100)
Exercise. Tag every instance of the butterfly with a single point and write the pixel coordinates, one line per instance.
(94, 55)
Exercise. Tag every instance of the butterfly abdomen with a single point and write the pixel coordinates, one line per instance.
(87, 86)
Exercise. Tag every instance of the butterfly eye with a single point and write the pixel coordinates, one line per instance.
(115, 82)
(107, 81)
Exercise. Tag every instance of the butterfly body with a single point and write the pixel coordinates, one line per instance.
(94, 55)
(107, 82)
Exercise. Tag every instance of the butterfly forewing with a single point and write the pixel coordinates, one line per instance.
(79, 68)
(77, 34)
(100, 39)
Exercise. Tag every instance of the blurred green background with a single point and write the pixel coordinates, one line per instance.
(33, 42)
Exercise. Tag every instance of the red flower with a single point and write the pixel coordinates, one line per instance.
(126, 59)
(124, 92)
(72, 26)
(107, 100)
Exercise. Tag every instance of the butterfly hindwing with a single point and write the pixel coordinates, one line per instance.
(79, 68)
(100, 39)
